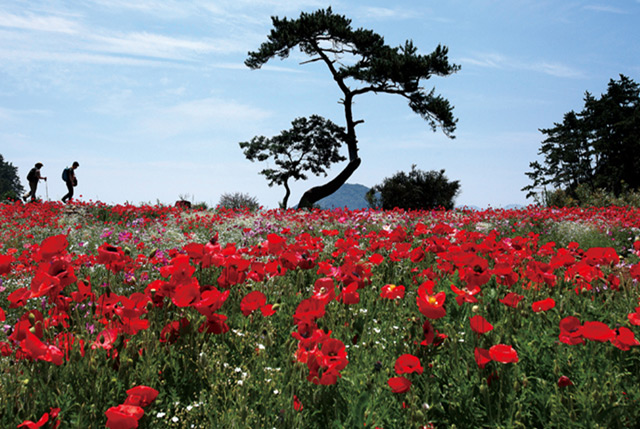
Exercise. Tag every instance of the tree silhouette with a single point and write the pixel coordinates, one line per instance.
(416, 190)
(360, 62)
(311, 145)
(597, 148)
(10, 186)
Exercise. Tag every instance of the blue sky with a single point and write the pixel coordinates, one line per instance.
(152, 96)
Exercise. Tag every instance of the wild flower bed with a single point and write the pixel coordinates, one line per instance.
(156, 317)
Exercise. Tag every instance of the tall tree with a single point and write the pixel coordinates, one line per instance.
(360, 62)
(598, 147)
(311, 145)
(10, 186)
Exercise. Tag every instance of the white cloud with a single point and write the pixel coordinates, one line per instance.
(606, 8)
(161, 46)
(52, 24)
(499, 61)
(384, 13)
(197, 115)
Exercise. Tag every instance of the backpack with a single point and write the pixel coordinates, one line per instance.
(65, 174)
(32, 176)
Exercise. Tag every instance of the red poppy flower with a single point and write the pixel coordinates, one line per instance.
(308, 310)
(399, 384)
(511, 299)
(186, 293)
(124, 416)
(19, 297)
(5, 264)
(416, 255)
(466, 295)
(171, 331)
(34, 425)
(432, 306)
(480, 325)
(297, 405)
(211, 300)
(376, 259)
(392, 291)
(5, 349)
(349, 294)
(634, 318)
(324, 290)
(111, 257)
(215, 324)
(3, 317)
(267, 310)
(428, 333)
(407, 364)
(544, 305)
(624, 339)
(252, 301)
(53, 246)
(597, 331)
(634, 271)
(570, 331)
(105, 339)
(333, 354)
(431, 336)
(482, 357)
(503, 353)
(564, 381)
(141, 396)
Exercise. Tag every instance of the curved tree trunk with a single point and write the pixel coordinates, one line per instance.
(285, 200)
(315, 194)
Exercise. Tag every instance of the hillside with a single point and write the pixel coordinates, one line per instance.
(349, 195)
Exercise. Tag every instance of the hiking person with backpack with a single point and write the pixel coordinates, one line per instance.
(69, 177)
(33, 178)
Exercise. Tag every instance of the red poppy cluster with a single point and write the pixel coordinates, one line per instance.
(573, 332)
(442, 253)
(127, 415)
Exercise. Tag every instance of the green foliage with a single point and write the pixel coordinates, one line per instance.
(584, 196)
(311, 145)
(597, 149)
(238, 200)
(417, 190)
(360, 57)
(10, 187)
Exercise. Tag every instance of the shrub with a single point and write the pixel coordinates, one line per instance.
(584, 196)
(416, 190)
(239, 200)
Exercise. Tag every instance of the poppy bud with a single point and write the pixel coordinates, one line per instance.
(32, 330)
(32, 318)
(475, 309)
(127, 251)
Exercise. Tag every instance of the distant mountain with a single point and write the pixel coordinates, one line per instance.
(349, 195)
(513, 207)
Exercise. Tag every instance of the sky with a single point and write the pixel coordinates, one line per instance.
(152, 97)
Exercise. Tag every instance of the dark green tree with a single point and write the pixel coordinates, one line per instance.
(311, 145)
(360, 63)
(416, 190)
(10, 186)
(597, 148)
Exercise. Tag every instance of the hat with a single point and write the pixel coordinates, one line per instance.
(39, 165)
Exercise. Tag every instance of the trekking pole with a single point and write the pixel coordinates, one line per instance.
(46, 186)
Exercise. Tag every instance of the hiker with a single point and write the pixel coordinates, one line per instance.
(69, 177)
(33, 178)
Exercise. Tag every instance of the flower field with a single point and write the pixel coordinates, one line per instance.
(153, 316)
